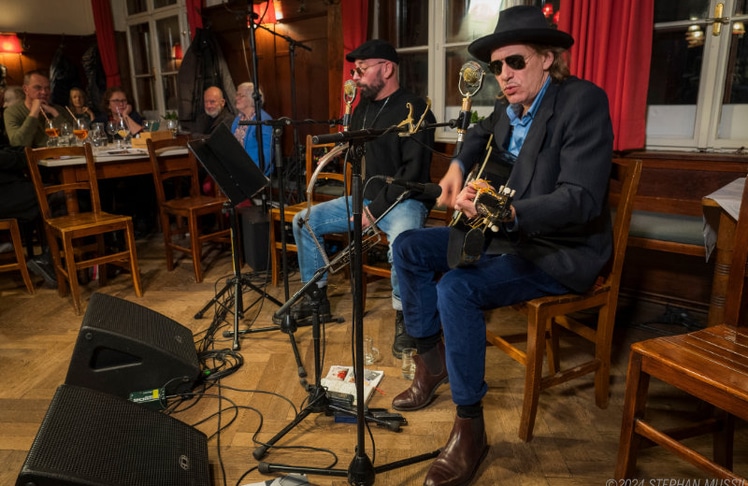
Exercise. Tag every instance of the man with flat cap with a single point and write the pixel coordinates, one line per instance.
(383, 105)
(556, 240)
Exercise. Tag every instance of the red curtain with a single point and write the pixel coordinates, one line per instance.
(102, 12)
(194, 16)
(355, 21)
(612, 48)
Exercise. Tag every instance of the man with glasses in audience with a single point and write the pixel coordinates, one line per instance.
(556, 240)
(25, 122)
(384, 104)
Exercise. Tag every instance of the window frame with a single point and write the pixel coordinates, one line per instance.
(151, 16)
(709, 106)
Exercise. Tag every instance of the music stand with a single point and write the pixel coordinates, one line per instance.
(240, 179)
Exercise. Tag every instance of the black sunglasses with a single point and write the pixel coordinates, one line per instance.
(516, 62)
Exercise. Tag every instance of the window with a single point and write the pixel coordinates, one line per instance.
(157, 34)
(434, 51)
(698, 88)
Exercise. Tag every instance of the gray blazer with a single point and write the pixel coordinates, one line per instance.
(561, 181)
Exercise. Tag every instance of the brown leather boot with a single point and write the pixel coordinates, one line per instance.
(461, 457)
(425, 381)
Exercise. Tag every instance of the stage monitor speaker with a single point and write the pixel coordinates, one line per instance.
(96, 439)
(123, 348)
(255, 227)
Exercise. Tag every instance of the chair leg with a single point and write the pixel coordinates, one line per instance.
(134, 267)
(723, 438)
(103, 273)
(552, 348)
(635, 402)
(166, 230)
(196, 248)
(75, 291)
(603, 344)
(15, 237)
(54, 251)
(533, 373)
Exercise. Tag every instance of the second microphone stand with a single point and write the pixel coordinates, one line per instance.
(361, 471)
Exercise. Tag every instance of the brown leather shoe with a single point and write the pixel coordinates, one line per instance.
(460, 458)
(425, 382)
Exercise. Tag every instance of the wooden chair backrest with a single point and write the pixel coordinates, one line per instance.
(311, 151)
(70, 190)
(736, 304)
(624, 181)
(163, 172)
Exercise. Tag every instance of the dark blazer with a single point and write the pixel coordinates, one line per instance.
(561, 178)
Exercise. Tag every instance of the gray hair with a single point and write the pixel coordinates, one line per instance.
(248, 88)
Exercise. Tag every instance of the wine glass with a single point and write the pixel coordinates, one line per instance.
(66, 134)
(53, 133)
(111, 129)
(173, 126)
(81, 130)
(98, 134)
(123, 130)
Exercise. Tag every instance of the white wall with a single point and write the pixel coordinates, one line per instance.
(71, 17)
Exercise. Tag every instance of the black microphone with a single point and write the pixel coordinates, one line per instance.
(429, 189)
(349, 94)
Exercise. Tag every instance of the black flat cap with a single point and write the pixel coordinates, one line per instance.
(374, 49)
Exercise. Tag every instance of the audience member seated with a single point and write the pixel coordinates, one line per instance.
(25, 122)
(133, 196)
(247, 134)
(115, 107)
(19, 202)
(12, 95)
(78, 104)
(216, 113)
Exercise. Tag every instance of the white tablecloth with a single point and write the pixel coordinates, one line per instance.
(728, 197)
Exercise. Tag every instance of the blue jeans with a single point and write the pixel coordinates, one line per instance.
(334, 217)
(436, 298)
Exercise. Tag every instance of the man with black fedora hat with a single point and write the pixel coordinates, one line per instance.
(556, 240)
(384, 104)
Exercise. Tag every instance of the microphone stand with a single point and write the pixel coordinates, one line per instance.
(251, 16)
(292, 43)
(361, 471)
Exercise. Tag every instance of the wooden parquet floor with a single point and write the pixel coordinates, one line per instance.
(575, 442)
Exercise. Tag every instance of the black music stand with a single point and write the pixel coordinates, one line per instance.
(240, 179)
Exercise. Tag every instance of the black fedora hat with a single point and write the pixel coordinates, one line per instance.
(519, 25)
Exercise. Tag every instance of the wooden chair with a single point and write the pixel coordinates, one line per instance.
(11, 225)
(340, 183)
(185, 212)
(710, 364)
(66, 234)
(546, 315)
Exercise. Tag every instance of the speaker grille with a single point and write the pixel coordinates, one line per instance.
(123, 347)
(120, 316)
(93, 438)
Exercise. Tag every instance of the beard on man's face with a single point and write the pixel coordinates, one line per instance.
(370, 91)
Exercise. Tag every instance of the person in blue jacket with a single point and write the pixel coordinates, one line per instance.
(247, 134)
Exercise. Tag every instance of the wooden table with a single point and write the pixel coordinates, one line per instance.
(721, 210)
(112, 163)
